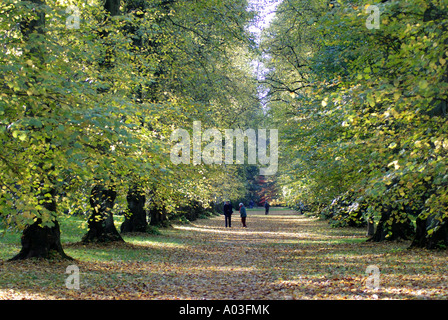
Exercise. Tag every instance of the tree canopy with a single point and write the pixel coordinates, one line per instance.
(363, 109)
(91, 91)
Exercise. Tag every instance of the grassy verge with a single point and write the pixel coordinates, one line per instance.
(72, 230)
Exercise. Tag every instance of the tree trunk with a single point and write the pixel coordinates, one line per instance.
(158, 215)
(37, 24)
(101, 222)
(113, 7)
(436, 239)
(397, 230)
(135, 218)
(370, 227)
(42, 242)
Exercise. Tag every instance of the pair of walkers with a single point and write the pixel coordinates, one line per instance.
(228, 210)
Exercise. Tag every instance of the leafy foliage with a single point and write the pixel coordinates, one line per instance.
(364, 110)
(95, 104)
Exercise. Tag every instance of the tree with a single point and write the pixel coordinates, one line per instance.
(39, 239)
(101, 227)
(70, 131)
(92, 108)
(364, 109)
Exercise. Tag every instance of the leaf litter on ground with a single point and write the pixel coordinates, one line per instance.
(282, 255)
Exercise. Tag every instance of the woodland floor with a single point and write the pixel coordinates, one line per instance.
(283, 255)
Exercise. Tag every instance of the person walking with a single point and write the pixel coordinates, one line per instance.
(266, 207)
(243, 215)
(228, 210)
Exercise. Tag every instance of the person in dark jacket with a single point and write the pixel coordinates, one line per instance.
(228, 210)
(251, 204)
(266, 207)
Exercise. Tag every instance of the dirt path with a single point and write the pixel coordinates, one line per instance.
(283, 255)
(267, 260)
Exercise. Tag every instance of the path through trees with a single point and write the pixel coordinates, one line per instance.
(280, 256)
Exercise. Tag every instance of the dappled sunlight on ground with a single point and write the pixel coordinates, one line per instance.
(283, 255)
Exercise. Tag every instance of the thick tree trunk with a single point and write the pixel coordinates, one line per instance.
(41, 242)
(158, 215)
(437, 239)
(101, 222)
(135, 218)
(397, 230)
